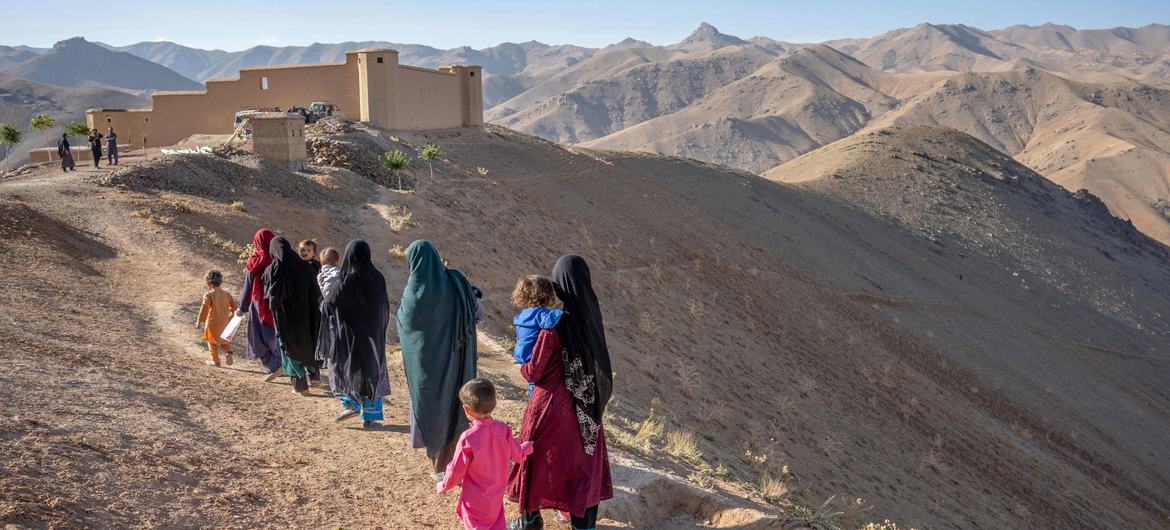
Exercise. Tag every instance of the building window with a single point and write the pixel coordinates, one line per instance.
(145, 120)
(379, 60)
(263, 83)
(109, 120)
(472, 74)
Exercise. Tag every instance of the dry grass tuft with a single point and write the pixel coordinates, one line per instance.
(238, 206)
(647, 431)
(397, 252)
(227, 245)
(399, 221)
(681, 444)
(181, 206)
(774, 487)
(884, 525)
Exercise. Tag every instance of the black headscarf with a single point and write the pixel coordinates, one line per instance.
(292, 292)
(588, 374)
(358, 312)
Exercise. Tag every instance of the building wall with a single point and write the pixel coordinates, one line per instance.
(384, 94)
(281, 138)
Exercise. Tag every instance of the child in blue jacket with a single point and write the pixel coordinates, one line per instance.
(536, 295)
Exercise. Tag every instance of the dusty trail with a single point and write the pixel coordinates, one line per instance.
(114, 421)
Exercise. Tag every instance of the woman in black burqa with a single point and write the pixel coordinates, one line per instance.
(290, 285)
(357, 314)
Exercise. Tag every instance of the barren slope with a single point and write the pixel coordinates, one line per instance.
(782, 325)
(788, 107)
(1113, 140)
(78, 63)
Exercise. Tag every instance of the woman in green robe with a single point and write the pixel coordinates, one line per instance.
(436, 327)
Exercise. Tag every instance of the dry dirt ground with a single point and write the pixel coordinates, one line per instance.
(782, 328)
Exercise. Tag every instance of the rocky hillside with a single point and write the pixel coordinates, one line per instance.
(843, 335)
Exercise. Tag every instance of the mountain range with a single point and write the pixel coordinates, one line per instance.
(1085, 108)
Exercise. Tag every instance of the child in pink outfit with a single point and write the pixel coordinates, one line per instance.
(481, 461)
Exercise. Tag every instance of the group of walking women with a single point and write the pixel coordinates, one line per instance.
(295, 329)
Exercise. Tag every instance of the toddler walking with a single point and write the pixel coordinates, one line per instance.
(216, 311)
(536, 295)
(482, 458)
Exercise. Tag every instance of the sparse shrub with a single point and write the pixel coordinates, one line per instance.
(702, 480)
(696, 308)
(829, 445)
(884, 525)
(825, 517)
(237, 206)
(784, 406)
(681, 444)
(245, 253)
(181, 206)
(483, 171)
(689, 378)
(931, 459)
(397, 252)
(398, 222)
(648, 324)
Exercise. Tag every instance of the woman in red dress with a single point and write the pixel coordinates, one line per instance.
(569, 468)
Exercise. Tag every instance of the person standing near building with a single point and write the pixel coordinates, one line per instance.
(95, 146)
(111, 147)
(65, 153)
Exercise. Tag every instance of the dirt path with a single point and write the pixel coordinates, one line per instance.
(112, 419)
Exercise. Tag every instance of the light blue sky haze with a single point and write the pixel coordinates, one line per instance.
(238, 24)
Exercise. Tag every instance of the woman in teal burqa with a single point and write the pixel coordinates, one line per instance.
(436, 327)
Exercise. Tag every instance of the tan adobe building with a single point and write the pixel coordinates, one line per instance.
(279, 137)
(370, 86)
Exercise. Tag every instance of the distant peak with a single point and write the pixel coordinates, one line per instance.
(71, 42)
(710, 34)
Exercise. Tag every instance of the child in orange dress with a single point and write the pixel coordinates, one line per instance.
(216, 311)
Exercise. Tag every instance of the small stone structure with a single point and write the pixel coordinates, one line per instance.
(280, 137)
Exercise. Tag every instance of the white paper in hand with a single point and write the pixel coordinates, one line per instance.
(229, 331)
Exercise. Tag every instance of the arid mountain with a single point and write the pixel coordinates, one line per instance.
(10, 56)
(78, 63)
(926, 325)
(787, 107)
(1113, 140)
(623, 91)
(21, 99)
(1087, 55)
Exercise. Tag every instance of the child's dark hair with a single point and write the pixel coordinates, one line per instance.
(479, 395)
(213, 278)
(307, 243)
(330, 256)
(534, 291)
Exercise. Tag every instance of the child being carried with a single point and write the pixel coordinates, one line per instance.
(536, 295)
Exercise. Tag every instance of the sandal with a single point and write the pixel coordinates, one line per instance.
(523, 523)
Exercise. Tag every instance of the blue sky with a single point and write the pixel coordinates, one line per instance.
(239, 24)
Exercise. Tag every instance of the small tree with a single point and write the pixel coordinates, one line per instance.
(430, 153)
(9, 136)
(77, 128)
(41, 122)
(395, 162)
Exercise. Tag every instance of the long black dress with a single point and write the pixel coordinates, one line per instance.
(357, 313)
(290, 286)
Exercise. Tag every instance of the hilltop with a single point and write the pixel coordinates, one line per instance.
(920, 322)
